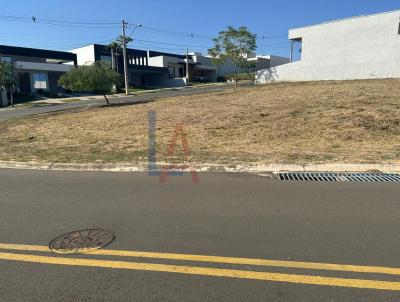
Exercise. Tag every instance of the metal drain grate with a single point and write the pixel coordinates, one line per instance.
(360, 177)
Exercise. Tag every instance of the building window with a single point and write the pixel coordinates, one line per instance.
(40, 81)
(6, 59)
(171, 71)
(181, 73)
(106, 59)
(399, 29)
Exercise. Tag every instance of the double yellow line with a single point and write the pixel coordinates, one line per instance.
(215, 272)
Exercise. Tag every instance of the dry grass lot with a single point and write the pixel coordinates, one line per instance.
(353, 121)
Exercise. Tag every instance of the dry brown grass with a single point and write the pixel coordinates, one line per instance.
(353, 121)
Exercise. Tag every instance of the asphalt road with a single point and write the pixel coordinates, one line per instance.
(11, 113)
(230, 215)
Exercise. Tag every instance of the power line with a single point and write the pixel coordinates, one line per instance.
(183, 34)
(182, 50)
(36, 19)
(159, 47)
(46, 36)
(64, 23)
(273, 44)
(271, 37)
(173, 44)
(115, 24)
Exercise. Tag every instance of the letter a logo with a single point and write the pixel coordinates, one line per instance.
(186, 150)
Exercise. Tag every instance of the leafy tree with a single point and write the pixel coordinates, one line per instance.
(96, 78)
(120, 40)
(8, 78)
(234, 44)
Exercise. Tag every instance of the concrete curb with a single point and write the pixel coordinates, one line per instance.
(255, 169)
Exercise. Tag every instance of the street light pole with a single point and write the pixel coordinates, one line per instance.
(124, 24)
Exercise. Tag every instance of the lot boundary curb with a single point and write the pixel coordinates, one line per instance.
(255, 169)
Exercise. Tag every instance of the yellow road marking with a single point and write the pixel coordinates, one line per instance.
(223, 260)
(203, 271)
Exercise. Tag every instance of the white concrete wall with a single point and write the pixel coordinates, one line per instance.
(20, 65)
(85, 55)
(159, 61)
(365, 47)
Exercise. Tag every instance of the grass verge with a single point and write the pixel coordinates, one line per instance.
(315, 122)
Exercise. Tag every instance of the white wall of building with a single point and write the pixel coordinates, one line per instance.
(21, 65)
(365, 47)
(159, 61)
(85, 55)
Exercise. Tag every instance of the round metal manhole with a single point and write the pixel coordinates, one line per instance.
(83, 241)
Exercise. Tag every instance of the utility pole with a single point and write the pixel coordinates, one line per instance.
(187, 66)
(124, 24)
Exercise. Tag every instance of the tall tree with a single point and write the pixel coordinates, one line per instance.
(234, 44)
(96, 78)
(8, 78)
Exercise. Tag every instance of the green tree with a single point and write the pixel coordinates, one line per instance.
(234, 44)
(96, 78)
(120, 40)
(8, 78)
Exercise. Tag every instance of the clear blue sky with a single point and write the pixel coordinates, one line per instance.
(167, 25)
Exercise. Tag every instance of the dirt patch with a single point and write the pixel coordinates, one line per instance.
(316, 122)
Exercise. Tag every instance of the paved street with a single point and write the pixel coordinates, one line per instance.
(306, 236)
(10, 113)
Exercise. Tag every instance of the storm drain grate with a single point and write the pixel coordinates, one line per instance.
(359, 177)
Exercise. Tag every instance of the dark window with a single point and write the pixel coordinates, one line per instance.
(399, 29)
(171, 71)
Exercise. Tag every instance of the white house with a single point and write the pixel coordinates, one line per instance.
(159, 69)
(364, 47)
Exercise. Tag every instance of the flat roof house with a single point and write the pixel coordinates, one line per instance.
(364, 47)
(160, 69)
(145, 68)
(38, 69)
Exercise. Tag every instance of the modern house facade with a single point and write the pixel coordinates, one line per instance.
(160, 69)
(364, 47)
(38, 69)
(145, 68)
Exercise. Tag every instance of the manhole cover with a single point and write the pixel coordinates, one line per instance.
(83, 241)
